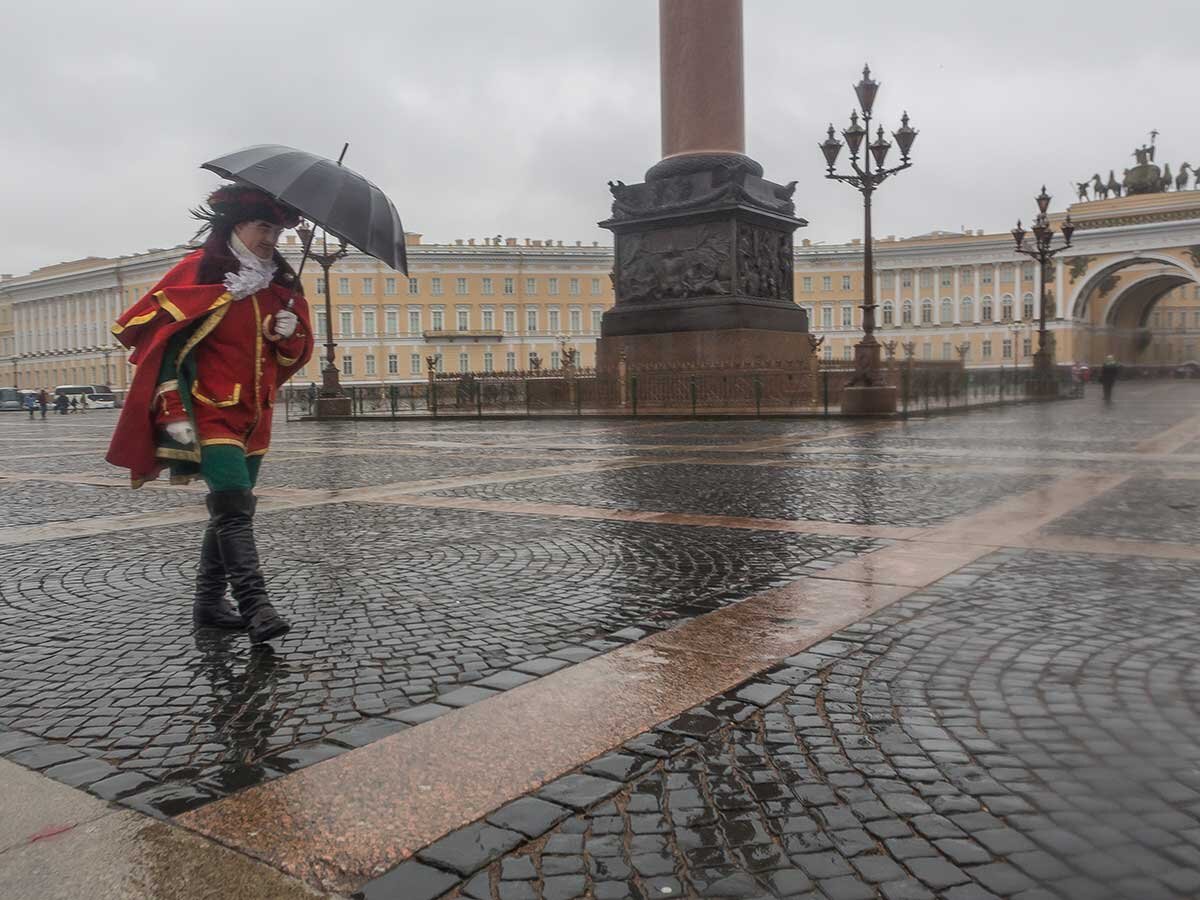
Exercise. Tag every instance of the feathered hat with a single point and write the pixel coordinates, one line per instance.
(233, 203)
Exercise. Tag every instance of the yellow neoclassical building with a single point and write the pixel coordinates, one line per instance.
(1130, 285)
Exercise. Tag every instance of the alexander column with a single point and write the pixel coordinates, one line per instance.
(703, 268)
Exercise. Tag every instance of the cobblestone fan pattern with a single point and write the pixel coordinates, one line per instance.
(392, 608)
(349, 471)
(865, 496)
(39, 502)
(1025, 728)
(72, 462)
(1141, 509)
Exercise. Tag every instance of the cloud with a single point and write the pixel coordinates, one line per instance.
(509, 117)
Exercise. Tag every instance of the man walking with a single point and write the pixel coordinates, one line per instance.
(1108, 376)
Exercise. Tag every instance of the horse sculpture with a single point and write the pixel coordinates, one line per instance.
(1082, 187)
(1099, 188)
(1114, 186)
(1166, 180)
(1181, 179)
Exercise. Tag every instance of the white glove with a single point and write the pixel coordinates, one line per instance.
(285, 323)
(181, 432)
(248, 281)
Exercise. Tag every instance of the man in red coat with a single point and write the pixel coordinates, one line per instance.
(213, 341)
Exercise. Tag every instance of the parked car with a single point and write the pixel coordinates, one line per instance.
(10, 398)
(93, 396)
(1190, 369)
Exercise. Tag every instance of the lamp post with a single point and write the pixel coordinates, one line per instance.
(1043, 251)
(331, 387)
(867, 370)
(107, 351)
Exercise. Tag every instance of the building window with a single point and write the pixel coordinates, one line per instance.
(322, 324)
(553, 323)
(576, 321)
(462, 320)
(552, 286)
(347, 365)
(368, 285)
(393, 364)
(1007, 273)
(510, 361)
(847, 316)
(906, 313)
(486, 287)
(368, 322)
(1027, 307)
(346, 323)
(887, 279)
(414, 321)
(986, 350)
(597, 319)
(947, 351)
(966, 310)
(489, 320)
(555, 360)
(343, 286)
(435, 287)
(1006, 349)
(926, 278)
(906, 278)
(370, 364)
(985, 309)
(847, 352)
(510, 320)
(532, 353)
(414, 364)
(1027, 271)
(828, 352)
(986, 277)
(530, 286)
(573, 287)
(509, 288)
(460, 287)
(391, 320)
(826, 316)
(806, 283)
(827, 282)
(530, 321)
(927, 350)
(488, 360)
(439, 320)
(1027, 347)
(947, 311)
(1006, 308)
(845, 282)
(389, 285)
(926, 311)
(320, 285)
(889, 313)
(947, 278)
(464, 362)
(595, 287)
(413, 287)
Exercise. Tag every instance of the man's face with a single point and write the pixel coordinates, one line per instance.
(259, 237)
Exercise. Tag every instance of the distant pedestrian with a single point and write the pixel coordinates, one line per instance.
(30, 403)
(74, 404)
(312, 396)
(61, 404)
(43, 401)
(1108, 376)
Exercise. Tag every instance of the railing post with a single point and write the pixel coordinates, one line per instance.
(905, 384)
(633, 392)
(479, 398)
(825, 390)
(692, 388)
(758, 396)
(528, 399)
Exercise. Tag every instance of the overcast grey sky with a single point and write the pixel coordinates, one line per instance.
(509, 116)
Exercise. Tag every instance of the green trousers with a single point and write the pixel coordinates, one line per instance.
(227, 468)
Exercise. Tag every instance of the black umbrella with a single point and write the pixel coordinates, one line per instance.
(338, 199)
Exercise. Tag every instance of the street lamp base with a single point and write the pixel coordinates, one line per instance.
(869, 400)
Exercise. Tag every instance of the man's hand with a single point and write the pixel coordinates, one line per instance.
(181, 432)
(285, 323)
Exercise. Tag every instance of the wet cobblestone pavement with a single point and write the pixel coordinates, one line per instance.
(1021, 723)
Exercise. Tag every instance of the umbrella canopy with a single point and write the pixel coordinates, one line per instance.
(337, 198)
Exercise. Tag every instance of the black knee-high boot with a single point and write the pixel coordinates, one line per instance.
(210, 609)
(233, 515)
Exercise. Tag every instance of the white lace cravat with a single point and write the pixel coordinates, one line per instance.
(253, 273)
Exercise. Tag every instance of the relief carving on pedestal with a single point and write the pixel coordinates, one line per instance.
(764, 263)
(689, 261)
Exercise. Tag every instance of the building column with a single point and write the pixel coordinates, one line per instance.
(957, 296)
(1060, 300)
(996, 299)
(977, 303)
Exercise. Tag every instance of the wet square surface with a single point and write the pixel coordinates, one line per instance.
(861, 496)
(39, 502)
(1141, 509)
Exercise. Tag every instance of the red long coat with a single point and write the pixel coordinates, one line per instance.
(236, 365)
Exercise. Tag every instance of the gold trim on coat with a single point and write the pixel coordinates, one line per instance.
(219, 404)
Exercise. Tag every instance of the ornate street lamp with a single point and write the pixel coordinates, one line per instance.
(1043, 251)
(330, 385)
(867, 369)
